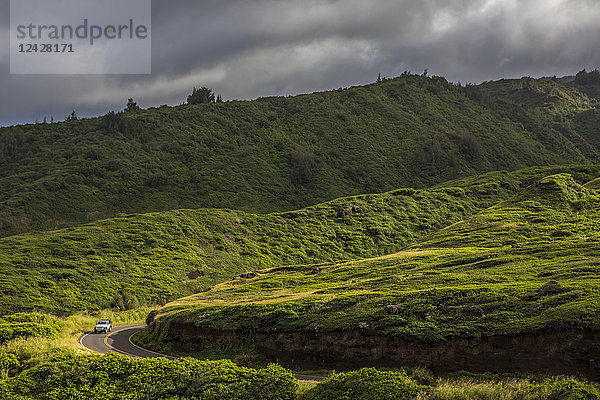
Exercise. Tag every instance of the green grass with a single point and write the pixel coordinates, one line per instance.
(525, 265)
(148, 259)
(513, 389)
(278, 154)
(55, 366)
(53, 334)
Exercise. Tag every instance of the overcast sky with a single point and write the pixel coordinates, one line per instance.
(249, 48)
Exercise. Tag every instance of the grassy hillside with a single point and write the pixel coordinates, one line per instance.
(554, 112)
(275, 154)
(525, 265)
(548, 95)
(155, 258)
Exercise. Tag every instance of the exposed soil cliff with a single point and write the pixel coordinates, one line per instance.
(567, 352)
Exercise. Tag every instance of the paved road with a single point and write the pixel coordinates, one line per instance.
(119, 341)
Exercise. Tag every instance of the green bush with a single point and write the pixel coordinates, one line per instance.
(119, 377)
(28, 325)
(8, 362)
(365, 384)
(571, 389)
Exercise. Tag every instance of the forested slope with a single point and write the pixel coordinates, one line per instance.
(278, 154)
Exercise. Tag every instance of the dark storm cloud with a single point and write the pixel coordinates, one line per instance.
(250, 48)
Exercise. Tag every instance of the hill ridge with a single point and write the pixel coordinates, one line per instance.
(518, 268)
(279, 154)
(154, 258)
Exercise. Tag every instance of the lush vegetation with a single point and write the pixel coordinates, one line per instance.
(371, 384)
(154, 258)
(65, 376)
(115, 376)
(277, 154)
(28, 325)
(455, 253)
(513, 389)
(50, 368)
(525, 265)
(51, 336)
(365, 384)
(28, 340)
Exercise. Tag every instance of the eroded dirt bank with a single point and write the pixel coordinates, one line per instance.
(567, 352)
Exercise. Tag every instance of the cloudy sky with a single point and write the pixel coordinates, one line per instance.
(249, 48)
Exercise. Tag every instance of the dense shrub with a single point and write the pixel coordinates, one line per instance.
(120, 377)
(8, 362)
(201, 96)
(469, 146)
(302, 164)
(571, 389)
(28, 325)
(125, 300)
(365, 384)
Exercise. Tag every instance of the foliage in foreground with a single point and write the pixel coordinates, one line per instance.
(115, 376)
(556, 388)
(366, 384)
(31, 369)
(66, 376)
(371, 384)
(54, 337)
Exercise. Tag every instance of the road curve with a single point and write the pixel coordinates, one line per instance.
(119, 341)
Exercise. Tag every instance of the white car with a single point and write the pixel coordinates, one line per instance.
(103, 326)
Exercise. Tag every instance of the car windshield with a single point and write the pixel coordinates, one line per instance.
(103, 322)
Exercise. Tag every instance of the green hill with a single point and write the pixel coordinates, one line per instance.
(278, 154)
(526, 265)
(276, 229)
(155, 258)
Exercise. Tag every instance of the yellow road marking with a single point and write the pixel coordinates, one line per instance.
(114, 348)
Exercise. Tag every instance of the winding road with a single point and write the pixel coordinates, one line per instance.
(119, 341)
